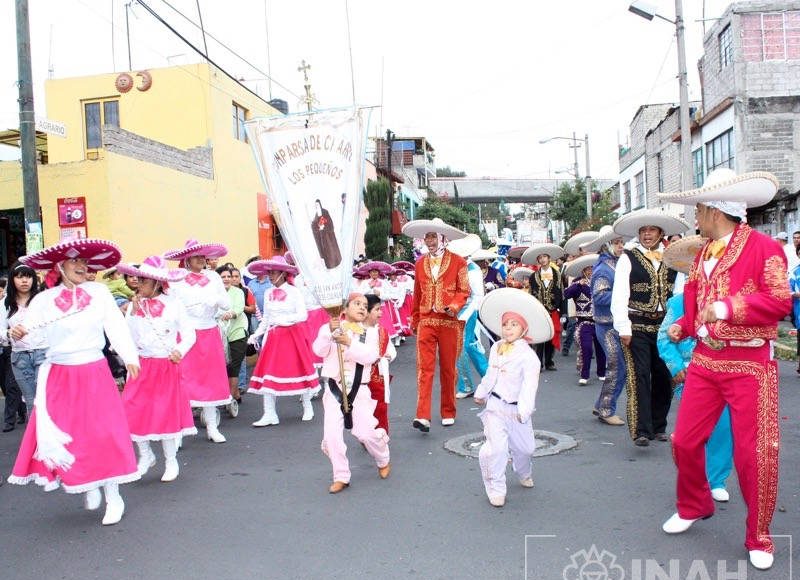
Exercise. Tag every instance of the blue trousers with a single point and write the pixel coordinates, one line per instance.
(470, 353)
(615, 369)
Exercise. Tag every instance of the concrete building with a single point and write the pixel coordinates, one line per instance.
(146, 168)
(413, 165)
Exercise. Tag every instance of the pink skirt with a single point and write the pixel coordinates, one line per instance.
(285, 366)
(316, 318)
(83, 401)
(387, 321)
(156, 404)
(405, 316)
(203, 374)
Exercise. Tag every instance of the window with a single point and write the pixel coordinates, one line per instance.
(626, 196)
(697, 167)
(771, 36)
(95, 115)
(239, 117)
(639, 192)
(720, 152)
(725, 39)
(660, 171)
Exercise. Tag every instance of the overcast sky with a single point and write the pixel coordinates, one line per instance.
(483, 81)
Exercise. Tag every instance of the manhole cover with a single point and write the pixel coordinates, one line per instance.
(547, 443)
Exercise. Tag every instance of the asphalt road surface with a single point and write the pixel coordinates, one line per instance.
(258, 506)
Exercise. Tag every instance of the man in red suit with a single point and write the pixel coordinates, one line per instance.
(736, 293)
(441, 289)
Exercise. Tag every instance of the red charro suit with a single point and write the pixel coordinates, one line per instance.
(733, 365)
(435, 328)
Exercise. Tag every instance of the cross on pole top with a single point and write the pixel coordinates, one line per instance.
(304, 68)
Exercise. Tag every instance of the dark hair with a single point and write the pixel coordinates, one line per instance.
(19, 270)
(372, 301)
(224, 268)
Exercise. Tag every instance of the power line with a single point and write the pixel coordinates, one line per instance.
(223, 45)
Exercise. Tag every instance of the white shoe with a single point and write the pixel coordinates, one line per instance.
(601, 379)
(464, 394)
(583, 382)
(215, 436)
(308, 408)
(677, 525)
(720, 494)
(760, 559)
(147, 459)
(92, 499)
(172, 468)
(233, 408)
(266, 420)
(448, 421)
(527, 482)
(114, 511)
(497, 500)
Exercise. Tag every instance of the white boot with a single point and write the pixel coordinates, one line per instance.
(270, 416)
(210, 416)
(308, 409)
(147, 458)
(171, 465)
(92, 499)
(115, 507)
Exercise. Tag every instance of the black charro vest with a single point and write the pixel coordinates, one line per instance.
(650, 288)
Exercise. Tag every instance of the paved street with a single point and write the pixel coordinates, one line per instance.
(258, 507)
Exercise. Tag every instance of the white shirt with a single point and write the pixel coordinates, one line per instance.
(791, 255)
(720, 310)
(202, 303)
(155, 334)
(75, 335)
(34, 340)
(475, 278)
(283, 306)
(621, 292)
(513, 376)
(364, 353)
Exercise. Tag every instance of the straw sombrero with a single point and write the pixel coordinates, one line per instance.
(498, 302)
(573, 245)
(516, 252)
(418, 229)
(276, 264)
(680, 254)
(465, 246)
(480, 255)
(754, 189)
(574, 268)
(195, 248)
(154, 267)
(99, 254)
(521, 273)
(605, 235)
(630, 223)
(531, 255)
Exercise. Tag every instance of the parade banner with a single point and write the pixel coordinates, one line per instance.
(312, 168)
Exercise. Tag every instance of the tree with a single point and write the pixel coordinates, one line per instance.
(569, 206)
(376, 236)
(450, 214)
(447, 172)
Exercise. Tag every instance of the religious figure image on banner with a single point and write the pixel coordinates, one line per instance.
(325, 237)
(312, 168)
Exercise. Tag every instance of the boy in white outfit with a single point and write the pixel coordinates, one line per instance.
(509, 389)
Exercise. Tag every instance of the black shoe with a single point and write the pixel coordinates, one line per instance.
(23, 418)
(8, 428)
(550, 367)
(564, 353)
(641, 441)
(661, 437)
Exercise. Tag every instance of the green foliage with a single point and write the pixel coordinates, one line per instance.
(376, 236)
(447, 172)
(450, 214)
(569, 205)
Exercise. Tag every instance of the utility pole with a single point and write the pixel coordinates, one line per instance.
(304, 68)
(588, 178)
(686, 134)
(389, 139)
(27, 131)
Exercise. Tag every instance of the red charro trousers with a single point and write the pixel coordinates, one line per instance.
(446, 334)
(745, 379)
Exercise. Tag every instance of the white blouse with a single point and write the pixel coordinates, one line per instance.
(156, 325)
(283, 306)
(203, 300)
(513, 376)
(73, 322)
(34, 340)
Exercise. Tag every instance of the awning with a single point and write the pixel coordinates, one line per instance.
(11, 137)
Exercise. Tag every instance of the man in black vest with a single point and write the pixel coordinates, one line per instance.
(642, 285)
(546, 286)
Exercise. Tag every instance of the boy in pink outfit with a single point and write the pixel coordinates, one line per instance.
(360, 351)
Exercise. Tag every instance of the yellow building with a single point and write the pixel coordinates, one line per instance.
(155, 167)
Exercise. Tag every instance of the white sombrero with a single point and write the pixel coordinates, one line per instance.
(418, 229)
(605, 235)
(195, 248)
(680, 254)
(521, 273)
(723, 185)
(516, 252)
(630, 223)
(498, 302)
(480, 255)
(99, 254)
(574, 268)
(573, 245)
(156, 268)
(465, 246)
(531, 255)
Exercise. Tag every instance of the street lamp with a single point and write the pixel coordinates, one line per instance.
(574, 148)
(648, 11)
